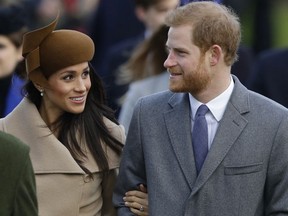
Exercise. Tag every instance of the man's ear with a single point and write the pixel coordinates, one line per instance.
(215, 54)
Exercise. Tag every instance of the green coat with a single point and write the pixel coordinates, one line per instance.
(17, 180)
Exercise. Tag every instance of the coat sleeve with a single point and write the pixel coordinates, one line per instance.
(108, 183)
(276, 190)
(132, 169)
(25, 197)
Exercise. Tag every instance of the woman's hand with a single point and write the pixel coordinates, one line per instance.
(137, 201)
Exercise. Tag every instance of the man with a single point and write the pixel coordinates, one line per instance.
(17, 188)
(245, 170)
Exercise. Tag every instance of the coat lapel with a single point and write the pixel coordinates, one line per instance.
(178, 125)
(47, 154)
(230, 127)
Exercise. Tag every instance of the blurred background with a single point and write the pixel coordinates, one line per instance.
(270, 15)
(110, 22)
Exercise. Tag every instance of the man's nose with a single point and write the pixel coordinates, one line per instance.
(170, 61)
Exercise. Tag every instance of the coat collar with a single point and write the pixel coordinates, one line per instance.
(48, 154)
(179, 130)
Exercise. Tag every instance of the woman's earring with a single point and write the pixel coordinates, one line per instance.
(41, 92)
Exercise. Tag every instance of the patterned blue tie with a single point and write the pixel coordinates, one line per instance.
(200, 137)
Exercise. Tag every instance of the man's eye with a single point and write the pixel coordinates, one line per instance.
(180, 53)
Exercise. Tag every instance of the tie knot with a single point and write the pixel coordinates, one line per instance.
(202, 110)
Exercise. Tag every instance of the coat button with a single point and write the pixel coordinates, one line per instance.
(86, 178)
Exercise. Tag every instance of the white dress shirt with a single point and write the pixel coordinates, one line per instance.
(216, 107)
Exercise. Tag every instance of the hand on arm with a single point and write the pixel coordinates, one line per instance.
(137, 201)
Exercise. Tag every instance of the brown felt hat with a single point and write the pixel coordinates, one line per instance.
(47, 51)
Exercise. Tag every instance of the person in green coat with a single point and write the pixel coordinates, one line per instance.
(17, 187)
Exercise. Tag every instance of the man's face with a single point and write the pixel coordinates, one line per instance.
(187, 66)
(154, 16)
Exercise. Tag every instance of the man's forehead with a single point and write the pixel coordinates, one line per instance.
(179, 30)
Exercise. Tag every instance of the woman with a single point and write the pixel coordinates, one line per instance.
(145, 73)
(74, 138)
(13, 25)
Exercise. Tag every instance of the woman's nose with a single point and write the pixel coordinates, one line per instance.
(80, 85)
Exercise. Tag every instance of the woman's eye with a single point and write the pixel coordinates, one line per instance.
(85, 74)
(68, 77)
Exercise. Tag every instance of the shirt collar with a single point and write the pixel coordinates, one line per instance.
(217, 105)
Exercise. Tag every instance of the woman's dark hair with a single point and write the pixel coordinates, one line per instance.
(89, 124)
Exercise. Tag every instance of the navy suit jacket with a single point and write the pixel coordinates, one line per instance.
(270, 76)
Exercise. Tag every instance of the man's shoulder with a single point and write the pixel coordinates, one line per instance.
(272, 60)
(274, 54)
(159, 97)
(266, 104)
(160, 101)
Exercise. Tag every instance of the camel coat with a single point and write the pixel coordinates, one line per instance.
(62, 186)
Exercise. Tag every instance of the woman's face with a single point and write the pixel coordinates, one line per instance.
(67, 92)
(10, 55)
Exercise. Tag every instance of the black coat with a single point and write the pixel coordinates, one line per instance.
(270, 75)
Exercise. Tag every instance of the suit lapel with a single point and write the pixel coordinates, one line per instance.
(179, 129)
(230, 127)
